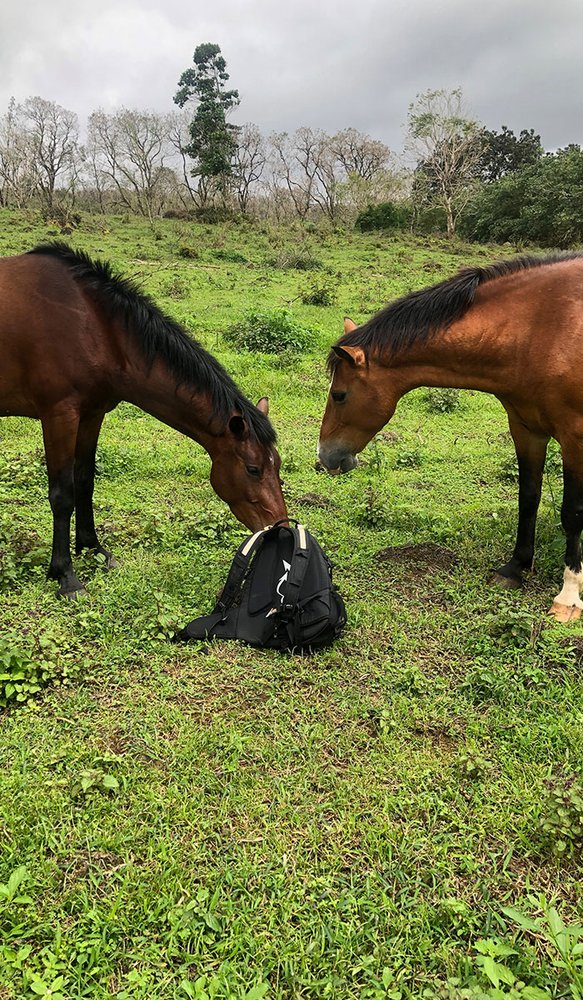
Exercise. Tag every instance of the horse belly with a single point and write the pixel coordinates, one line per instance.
(16, 387)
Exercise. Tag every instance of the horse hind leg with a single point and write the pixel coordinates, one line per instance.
(60, 434)
(86, 446)
(567, 605)
(531, 450)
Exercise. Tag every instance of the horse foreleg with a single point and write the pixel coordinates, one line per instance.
(568, 605)
(86, 446)
(530, 452)
(60, 434)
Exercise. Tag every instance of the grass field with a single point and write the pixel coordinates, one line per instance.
(398, 817)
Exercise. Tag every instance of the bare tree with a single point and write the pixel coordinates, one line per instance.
(129, 151)
(321, 168)
(360, 155)
(357, 192)
(289, 171)
(18, 175)
(322, 171)
(248, 163)
(179, 137)
(448, 146)
(53, 133)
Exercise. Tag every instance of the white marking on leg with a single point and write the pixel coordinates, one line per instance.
(569, 595)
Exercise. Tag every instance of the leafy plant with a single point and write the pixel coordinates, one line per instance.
(232, 256)
(295, 260)
(188, 252)
(10, 890)
(439, 400)
(563, 942)
(560, 824)
(508, 469)
(94, 779)
(274, 332)
(319, 293)
(408, 458)
(372, 510)
(385, 215)
(23, 675)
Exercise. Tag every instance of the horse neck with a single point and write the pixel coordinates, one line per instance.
(154, 389)
(476, 352)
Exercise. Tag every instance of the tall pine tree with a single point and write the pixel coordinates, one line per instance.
(213, 141)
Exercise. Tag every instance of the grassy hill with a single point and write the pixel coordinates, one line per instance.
(221, 822)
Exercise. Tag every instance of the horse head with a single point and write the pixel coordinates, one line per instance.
(358, 406)
(245, 473)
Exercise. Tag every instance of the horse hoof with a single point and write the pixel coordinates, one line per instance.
(506, 582)
(111, 562)
(72, 595)
(565, 612)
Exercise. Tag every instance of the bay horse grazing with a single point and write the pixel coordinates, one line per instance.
(514, 329)
(75, 340)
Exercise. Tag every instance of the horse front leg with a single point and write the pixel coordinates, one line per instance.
(567, 605)
(60, 435)
(86, 446)
(531, 451)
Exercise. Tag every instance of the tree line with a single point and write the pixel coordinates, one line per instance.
(454, 175)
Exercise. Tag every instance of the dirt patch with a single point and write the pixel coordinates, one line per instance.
(426, 557)
(315, 500)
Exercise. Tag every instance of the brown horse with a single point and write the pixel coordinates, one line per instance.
(75, 340)
(514, 329)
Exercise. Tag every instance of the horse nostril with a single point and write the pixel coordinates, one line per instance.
(318, 466)
(349, 463)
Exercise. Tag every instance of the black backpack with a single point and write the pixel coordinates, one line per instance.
(279, 594)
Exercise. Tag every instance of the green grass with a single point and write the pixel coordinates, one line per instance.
(188, 822)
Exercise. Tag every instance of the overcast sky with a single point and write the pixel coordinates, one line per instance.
(308, 62)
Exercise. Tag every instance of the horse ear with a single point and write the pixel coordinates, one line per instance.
(263, 406)
(349, 326)
(354, 355)
(238, 427)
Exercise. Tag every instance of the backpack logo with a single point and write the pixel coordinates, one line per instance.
(286, 569)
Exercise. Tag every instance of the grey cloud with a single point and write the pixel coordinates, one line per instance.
(328, 65)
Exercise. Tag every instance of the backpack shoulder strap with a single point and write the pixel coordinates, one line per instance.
(297, 573)
(238, 569)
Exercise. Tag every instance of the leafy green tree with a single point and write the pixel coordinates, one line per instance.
(213, 141)
(505, 153)
(447, 145)
(540, 204)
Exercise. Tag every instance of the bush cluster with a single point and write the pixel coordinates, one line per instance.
(294, 260)
(270, 332)
(386, 215)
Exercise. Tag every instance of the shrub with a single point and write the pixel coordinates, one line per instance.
(319, 293)
(214, 214)
(190, 253)
(560, 826)
(508, 469)
(295, 260)
(386, 215)
(271, 332)
(442, 400)
(23, 674)
(371, 511)
(232, 256)
(408, 458)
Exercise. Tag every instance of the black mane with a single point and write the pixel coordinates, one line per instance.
(417, 317)
(160, 336)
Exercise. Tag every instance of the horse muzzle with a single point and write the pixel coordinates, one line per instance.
(335, 460)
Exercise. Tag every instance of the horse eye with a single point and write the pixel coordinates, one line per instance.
(253, 470)
(338, 397)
